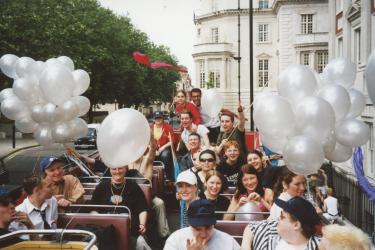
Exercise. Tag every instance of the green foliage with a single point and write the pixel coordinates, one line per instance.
(97, 40)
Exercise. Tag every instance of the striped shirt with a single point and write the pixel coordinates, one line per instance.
(267, 238)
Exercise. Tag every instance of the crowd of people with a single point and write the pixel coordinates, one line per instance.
(217, 177)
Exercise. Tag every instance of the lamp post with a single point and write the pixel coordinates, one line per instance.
(251, 64)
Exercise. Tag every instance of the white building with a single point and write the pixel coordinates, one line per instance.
(284, 31)
(352, 26)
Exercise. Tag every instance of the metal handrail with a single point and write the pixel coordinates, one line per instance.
(101, 206)
(225, 212)
(89, 245)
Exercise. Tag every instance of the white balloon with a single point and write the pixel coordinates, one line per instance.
(27, 89)
(67, 62)
(357, 103)
(339, 99)
(303, 155)
(81, 82)
(370, 77)
(37, 113)
(8, 65)
(341, 153)
(315, 117)
(341, 71)
(43, 135)
(39, 68)
(249, 207)
(51, 114)
(212, 102)
(123, 137)
(329, 143)
(69, 110)
(296, 82)
(79, 128)
(26, 67)
(62, 132)
(26, 125)
(5, 93)
(274, 116)
(56, 83)
(83, 104)
(53, 62)
(352, 133)
(13, 108)
(274, 143)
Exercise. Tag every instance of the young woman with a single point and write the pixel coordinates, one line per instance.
(183, 105)
(207, 162)
(248, 190)
(231, 164)
(289, 185)
(214, 186)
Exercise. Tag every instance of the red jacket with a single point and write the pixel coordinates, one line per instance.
(164, 139)
(192, 109)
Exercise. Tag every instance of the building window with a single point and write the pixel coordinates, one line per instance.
(263, 32)
(339, 21)
(263, 4)
(340, 47)
(370, 150)
(339, 6)
(214, 73)
(307, 23)
(199, 32)
(322, 60)
(263, 73)
(202, 79)
(357, 46)
(305, 58)
(372, 6)
(215, 35)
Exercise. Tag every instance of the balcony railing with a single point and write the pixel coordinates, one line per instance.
(204, 48)
(314, 38)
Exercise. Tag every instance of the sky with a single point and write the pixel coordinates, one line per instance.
(166, 22)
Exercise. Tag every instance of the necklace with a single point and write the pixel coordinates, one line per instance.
(117, 199)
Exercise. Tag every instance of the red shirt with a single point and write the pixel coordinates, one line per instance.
(192, 109)
(164, 138)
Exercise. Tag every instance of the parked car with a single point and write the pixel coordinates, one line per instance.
(89, 141)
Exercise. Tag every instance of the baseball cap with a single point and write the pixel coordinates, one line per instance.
(46, 162)
(188, 177)
(302, 209)
(158, 114)
(201, 213)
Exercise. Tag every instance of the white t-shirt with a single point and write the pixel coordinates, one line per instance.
(331, 203)
(275, 210)
(219, 240)
(283, 245)
(201, 130)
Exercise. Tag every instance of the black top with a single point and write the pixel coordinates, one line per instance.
(230, 171)
(9, 241)
(221, 204)
(186, 162)
(132, 197)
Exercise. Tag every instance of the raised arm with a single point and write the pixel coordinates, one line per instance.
(241, 117)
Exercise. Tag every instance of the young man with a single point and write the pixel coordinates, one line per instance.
(189, 127)
(67, 189)
(40, 205)
(194, 143)
(211, 123)
(295, 228)
(231, 132)
(201, 233)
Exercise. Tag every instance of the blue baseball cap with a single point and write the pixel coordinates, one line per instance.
(201, 213)
(302, 209)
(46, 162)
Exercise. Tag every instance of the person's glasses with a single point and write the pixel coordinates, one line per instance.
(207, 160)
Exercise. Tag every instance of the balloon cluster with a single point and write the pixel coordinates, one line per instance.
(45, 98)
(314, 116)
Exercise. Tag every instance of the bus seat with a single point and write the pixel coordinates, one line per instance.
(233, 228)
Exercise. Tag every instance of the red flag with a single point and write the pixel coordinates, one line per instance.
(141, 58)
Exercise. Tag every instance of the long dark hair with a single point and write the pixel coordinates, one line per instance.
(286, 177)
(247, 169)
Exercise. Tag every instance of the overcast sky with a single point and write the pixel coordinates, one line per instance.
(167, 22)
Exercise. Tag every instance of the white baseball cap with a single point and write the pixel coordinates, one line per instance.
(188, 177)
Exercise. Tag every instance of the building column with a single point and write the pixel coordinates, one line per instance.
(223, 73)
(206, 76)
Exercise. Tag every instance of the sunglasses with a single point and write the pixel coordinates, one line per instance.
(207, 160)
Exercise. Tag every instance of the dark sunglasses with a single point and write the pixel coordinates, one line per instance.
(207, 160)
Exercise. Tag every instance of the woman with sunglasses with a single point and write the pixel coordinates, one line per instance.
(207, 162)
(214, 184)
(249, 189)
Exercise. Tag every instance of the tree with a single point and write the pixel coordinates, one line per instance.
(97, 40)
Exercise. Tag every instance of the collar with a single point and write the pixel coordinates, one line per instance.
(30, 207)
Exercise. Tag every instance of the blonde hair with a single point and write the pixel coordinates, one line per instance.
(345, 238)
